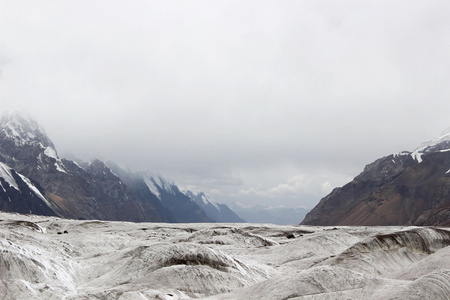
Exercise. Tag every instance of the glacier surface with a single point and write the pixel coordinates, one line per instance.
(53, 258)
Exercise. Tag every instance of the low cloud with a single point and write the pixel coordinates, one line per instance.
(298, 186)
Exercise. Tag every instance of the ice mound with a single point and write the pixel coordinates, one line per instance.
(386, 253)
(29, 267)
(24, 224)
(319, 281)
(191, 268)
(228, 236)
(424, 240)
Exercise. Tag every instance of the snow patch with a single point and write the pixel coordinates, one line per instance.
(157, 184)
(34, 189)
(417, 156)
(431, 145)
(208, 201)
(5, 173)
(201, 197)
(152, 186)
(51, 152)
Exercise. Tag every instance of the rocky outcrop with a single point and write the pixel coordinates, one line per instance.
(408, 188)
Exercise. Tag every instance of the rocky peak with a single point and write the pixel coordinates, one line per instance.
(22, 129)
(25, 146)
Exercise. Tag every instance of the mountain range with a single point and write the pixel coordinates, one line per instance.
(35, 180)
(406, 188)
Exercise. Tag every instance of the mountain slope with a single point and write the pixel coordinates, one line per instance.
(71, 191)
(35, 180)
(399, 189)
(180, 206)
(219, 212)
(19, 194)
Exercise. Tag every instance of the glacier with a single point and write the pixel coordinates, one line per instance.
(52, 258)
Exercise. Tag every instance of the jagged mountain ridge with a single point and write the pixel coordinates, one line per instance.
(216, 211)
(407, 188)
(53, 186)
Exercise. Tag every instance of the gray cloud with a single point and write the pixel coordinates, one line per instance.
(231, 96)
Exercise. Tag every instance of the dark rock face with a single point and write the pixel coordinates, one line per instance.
(20, 196)
(400, 189)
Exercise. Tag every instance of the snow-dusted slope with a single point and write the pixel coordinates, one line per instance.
(441, 143)
(406, 188)
(18, 193)
(20, 130)
(52, 258)
(6, 174)
(180, 206)
(159, 185)
(216, 211)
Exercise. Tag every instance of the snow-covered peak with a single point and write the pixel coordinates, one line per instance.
(158, 184)
(201, 197)
(20, 127)
(441, 143)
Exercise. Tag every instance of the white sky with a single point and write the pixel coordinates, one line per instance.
(270, 102)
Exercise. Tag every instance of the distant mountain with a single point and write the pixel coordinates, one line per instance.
(407, 188)
(216, 211)
(275, 215)
(33, 179)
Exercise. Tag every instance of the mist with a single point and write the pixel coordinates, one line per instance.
(255, 101)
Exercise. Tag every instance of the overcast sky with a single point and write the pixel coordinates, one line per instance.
(270, 102)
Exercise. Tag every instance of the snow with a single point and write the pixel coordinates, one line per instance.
(123, 260)
(201, 196)
(208, 201)
(51, 152)
(5, 173)
(21, 128)
(34, 189)
(157, 184)
(416, 155)
(152, 186)
(429, 145)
